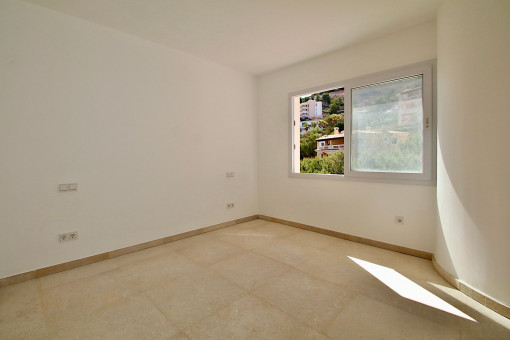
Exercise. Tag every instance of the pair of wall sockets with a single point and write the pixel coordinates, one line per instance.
(73, 235)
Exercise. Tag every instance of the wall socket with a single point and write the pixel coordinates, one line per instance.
(73, 235)
(399, 219)
(230, 205)
(68, 187)
(230, 174)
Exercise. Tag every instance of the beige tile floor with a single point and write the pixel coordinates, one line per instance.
(256, 280)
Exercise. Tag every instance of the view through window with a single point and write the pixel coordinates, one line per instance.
(377, 126)
(321, 132)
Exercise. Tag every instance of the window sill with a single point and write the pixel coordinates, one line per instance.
(331, 177)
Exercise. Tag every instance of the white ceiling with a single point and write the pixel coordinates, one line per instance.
(255, 36)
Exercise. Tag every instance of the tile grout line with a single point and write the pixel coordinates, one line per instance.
(162, 313)
(288, 314)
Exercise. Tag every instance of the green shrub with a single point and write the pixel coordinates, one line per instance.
(334, 164)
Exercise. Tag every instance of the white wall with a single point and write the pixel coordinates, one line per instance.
(364, 209)
(473, 188)
(136, 124)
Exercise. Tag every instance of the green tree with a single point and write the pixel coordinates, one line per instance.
(311, 165)
(326, 98)
(322, 125)
(334, 164)
(328, 124)
(407, 156)
(308, 143)
(337, 104)
(332, 121)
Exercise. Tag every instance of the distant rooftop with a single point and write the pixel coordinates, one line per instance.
(333, 136)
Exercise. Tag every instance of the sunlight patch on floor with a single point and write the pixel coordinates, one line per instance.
(407, 288)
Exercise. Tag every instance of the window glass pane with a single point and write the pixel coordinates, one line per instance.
(387, 126)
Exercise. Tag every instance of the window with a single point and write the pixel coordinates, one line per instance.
(378, 126)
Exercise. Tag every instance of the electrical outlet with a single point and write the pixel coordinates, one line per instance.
(68, 236)
(399, 219)
(230, 174)
(230, 205)
(68, 187)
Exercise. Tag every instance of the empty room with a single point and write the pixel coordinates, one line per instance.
(254, 169)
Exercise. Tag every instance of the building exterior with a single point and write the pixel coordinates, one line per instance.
(378, 140)
(311, 109)
(328, 144)
(410, 107)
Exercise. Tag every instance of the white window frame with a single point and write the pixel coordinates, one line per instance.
(428, 176)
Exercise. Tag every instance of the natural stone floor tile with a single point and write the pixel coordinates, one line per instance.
(339, 270)
(257, 279)
(136, 256)
(485, 329)
(315, 240)
(19, 298)
(251, 318)
(237, 228)
(188, 241)
(365, 318)
(251, 224)
(249, 270)
(75, 274)
(156, 271)
(363, 252)
(36, 329)
(415, 267)
(133, 318)
(246, 238)
(81, 297)
(188, 299)
(276, 229)
(345, 272)
(288, 251)
(211, 251)
(488, 325)
(309, 300)
(21, 313)
(432, 313)
(179, 336)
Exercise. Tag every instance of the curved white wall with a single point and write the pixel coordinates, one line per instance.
(473, 188)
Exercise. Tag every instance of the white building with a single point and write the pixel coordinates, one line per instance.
(410, 107)
(311, 109)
